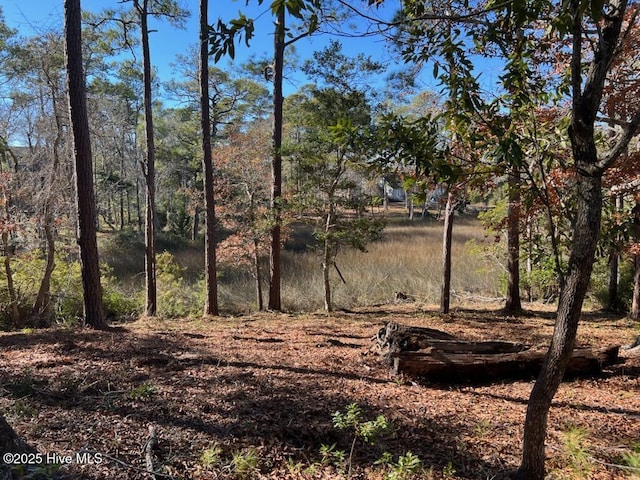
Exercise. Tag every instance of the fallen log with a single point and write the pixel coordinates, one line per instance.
(439, 356)
(394, 338)
(439, 365)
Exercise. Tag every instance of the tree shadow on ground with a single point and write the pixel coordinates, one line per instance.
(91, 386)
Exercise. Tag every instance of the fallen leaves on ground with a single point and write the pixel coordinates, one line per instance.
(253, 397)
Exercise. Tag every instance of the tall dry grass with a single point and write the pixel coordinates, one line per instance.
(407, 259)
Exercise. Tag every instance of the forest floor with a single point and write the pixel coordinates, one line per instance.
(253, 397)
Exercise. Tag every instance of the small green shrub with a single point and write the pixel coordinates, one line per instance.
(176, 297)
(211, 456)
(142, 391)
(631, 460)
(245, 463)
(574, 451)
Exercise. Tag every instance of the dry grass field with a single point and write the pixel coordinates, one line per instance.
(252, 397)
(407, 259)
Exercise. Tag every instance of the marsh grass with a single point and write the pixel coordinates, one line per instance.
(408, 259)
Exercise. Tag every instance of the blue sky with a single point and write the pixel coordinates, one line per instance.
(33, 16)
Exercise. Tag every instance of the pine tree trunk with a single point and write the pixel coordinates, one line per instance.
(445, 296)
(211, 282)
(513, 304)
(275, 262)
(151, 301)
(85, 193)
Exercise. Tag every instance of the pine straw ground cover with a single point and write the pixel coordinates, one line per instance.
(253, 397)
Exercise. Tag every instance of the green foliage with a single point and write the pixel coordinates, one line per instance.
(351, 420)
(143, 391)
(245, 463)
(330, 455)
(211, 456)
(631, 459)
(408, 466)
(66, 291)
(599, 285)
(575, 453)
(449, 470)
(176, 297)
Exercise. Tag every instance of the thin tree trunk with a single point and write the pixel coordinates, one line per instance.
(275, 261)
(211, 283)
(256, 250)
(513, 304)
(15, 313)
(258, 274)
(635, 302)
(614, 264)
(445, 296)
(196, 223)
(41, 310)
(85, 192)
(326, 261)
(151, 301)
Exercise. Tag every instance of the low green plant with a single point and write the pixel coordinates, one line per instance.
(574, 451)
(23, 409)
(330, 455)
(351, 419)
(482, 428)
(631, 460)
(407, 466)
(449, 470)
(211, 456)
(144, 390)
(245, 463)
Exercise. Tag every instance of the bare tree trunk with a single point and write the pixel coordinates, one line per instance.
(41, 310)
(151, 301)
(635, 303)
(10, 442)
(211, 282)
(15, 313)
(445, 296)
(275, 261)
(326, 261)
(85, 193)
(513, 304)
(585, 236)
(614, 263)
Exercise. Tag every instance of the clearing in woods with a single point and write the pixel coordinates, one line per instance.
(253, 397)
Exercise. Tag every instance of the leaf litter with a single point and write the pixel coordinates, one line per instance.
(253, 397)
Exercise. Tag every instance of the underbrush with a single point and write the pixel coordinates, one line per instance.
(65, 303)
